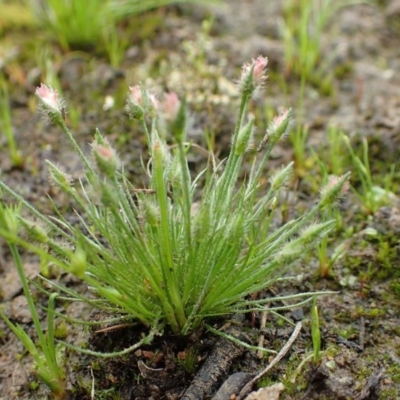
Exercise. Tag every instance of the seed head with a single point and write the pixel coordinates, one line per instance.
(140, 102)
(50, 105)
(59, 178)
(106, 158)
(253, 76)
(175, 115)
(334, 189)
(170, 106)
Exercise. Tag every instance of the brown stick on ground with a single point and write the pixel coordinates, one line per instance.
(216, 366)
(275, 361)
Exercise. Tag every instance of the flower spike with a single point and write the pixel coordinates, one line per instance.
(51, 106)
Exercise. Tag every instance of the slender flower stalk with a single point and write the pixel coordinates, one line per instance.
(251, 82)
(52, 110)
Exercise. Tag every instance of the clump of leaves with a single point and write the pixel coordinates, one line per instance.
(67, 20)
(157, 254)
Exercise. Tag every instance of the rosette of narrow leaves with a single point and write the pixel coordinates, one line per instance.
(152, 255)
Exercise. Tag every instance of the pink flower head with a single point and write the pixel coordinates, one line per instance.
(277, 121)
(170, 106)
(154, 101)
(278, 128)
(140, 102)
(335, 188)
(106, 157)
(135, 94)
(259, 69)
(253, 75)
(333, 180)
(51, 105)
(280, 125)
(106, 152)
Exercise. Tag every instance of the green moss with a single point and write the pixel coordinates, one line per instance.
(107, 394)
(394, 372)
(394, 287)
(265, 381)
(326, 88)
(61, 331)
(389, 394)
(343, 317)
(343, 70)
(15, 16)
(188, 359)
(382, 257)
(293, 381)
(96, 365)
(34, 385)
(348, 333)
(372, 313)
(363, 374)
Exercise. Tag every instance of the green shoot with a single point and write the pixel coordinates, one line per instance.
(67, 22)
(327, 261)
(371, 196)
(17, 160)
(44, 354)
(315, 332)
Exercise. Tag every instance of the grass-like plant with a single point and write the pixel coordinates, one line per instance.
(44, 352)
(183, 249)
(326, 260)
(315, 331)
(371, 196)
(74, 23)
(303, 26)
(86, 24)
(6, 127)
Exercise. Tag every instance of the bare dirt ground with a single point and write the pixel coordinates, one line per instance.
(360, 325)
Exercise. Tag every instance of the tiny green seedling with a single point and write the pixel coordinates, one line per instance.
(327, 261)
(189, 359)
(315, 331)
(371, 196)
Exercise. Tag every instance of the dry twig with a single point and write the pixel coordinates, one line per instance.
(275, 361)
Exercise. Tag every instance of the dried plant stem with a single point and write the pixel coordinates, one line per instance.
(275, 361)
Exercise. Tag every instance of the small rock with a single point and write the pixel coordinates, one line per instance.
(393, 9)
(10, 285)
(233, 385)
(20, 311)
(268, 393)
